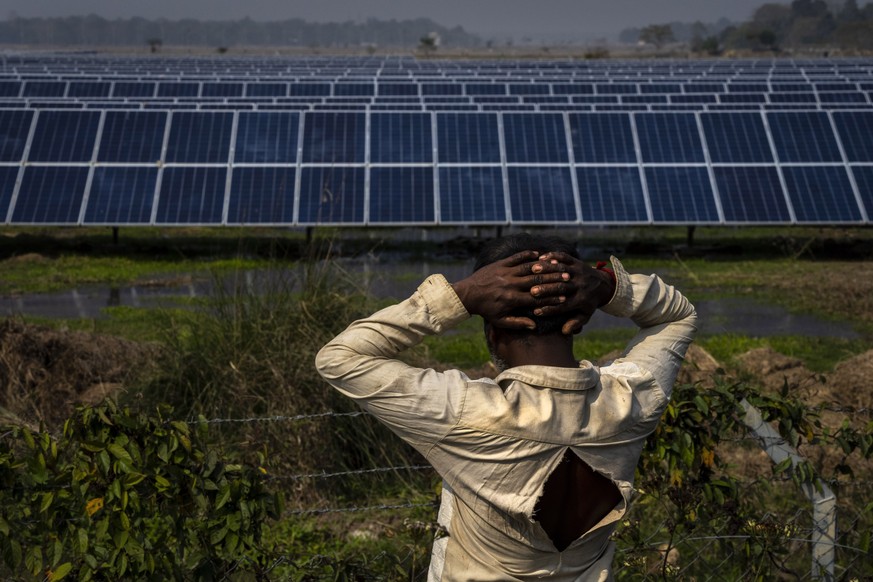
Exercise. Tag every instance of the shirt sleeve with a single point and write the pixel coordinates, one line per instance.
(418, 404)
(667, 322)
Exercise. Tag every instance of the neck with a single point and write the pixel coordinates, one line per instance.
(548, 350)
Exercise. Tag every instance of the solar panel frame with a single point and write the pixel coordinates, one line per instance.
(135, 197)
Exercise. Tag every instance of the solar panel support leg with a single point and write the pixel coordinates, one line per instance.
(309, 230)
(499, 232)
(115, 235)
(689, 239)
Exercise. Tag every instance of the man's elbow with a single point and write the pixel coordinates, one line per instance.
(327, 362)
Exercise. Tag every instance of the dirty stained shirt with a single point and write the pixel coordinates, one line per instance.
(495, 442)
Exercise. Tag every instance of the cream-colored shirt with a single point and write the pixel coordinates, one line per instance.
(495, 442)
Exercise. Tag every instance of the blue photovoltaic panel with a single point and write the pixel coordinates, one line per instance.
(8, 177)
(669, 138)
(178, 89)
(611, 194)
(485, 89)
(266, 90)
(64, 136)
(118, 144)
(354, 90)
(602, 138)
(821, 194)
(803, 136)
(864, 180)
(856, 132)
(89, 89)
(542, 195)
(50, 195)
(468, 138)
(682, 194)
(309, 89)
(398, 89)
(266, 138)
(441, 89)
(10, 88)
(472, 195)
(400, 138)
(535, 138)
(751, 194)
(334, 137)
(121, 195)
(199, 138)
(44, 89)
(191, 196)
(133, 89)
(401, 194)
(735, 138)
(332, 195)
(222, 90)
(14, 127)
(261, 195)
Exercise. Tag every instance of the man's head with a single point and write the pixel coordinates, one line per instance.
(509, 347)
(501, 248)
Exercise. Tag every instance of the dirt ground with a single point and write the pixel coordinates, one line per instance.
(45, 372)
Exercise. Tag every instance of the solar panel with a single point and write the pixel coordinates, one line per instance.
(222, 89)
(751, 194)
(261, 195)
(266, 90)
(64, 136)
(864, 179)
(178, 89)
(855, 129)
(334, 137)
(199, 138)
(14, 129)
(121, 195)
(332, 194)
(541, 195)
(89, 89)
(400, 138)
(533, 138)
(50, 195)
(401, 195)
(8, 177)
(133, 89)
(611, 195)
(266, 138)
(191, 195)
(681, 195)
(669, 138)
(10, 88)
(44, 89)
(736, 138)
(472, 195)
(116, 144)
(602, 138)
(803, 137)
(821, 194)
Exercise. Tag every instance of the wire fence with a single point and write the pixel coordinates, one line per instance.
(784, 541)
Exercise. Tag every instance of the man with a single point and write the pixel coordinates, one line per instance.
(537, 464)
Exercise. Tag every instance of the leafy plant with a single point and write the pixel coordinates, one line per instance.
(120, 495)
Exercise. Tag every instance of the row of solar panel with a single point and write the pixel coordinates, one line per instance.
(152, 137)
(393, 106)
(358, 195)
(21, 89)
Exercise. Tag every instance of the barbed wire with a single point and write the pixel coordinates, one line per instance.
(354, 508)
(325, 475)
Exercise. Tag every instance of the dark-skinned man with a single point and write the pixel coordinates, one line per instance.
(538, 463)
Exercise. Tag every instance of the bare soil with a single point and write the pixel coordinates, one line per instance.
(44, 372)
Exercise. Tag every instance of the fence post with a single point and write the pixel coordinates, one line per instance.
(824, 503)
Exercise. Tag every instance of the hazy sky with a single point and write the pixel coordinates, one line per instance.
(486, 17)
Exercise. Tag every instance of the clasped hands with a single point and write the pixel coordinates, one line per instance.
(545, 284)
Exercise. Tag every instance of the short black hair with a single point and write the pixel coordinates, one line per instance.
(504, 247)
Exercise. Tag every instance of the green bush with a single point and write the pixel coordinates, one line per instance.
(126, 496)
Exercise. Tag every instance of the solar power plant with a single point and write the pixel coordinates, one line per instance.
(357, 141)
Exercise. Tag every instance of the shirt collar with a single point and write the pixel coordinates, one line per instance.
(584, 377)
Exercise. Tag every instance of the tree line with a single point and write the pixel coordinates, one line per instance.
(773, 27)
(93, 30)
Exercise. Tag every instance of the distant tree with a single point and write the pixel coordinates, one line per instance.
(850, 12)
(657, 34)
(429, 43)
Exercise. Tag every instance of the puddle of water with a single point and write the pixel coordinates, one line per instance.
(398, 280)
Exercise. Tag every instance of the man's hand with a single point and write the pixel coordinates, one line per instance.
(498, 289)
(590, 289)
